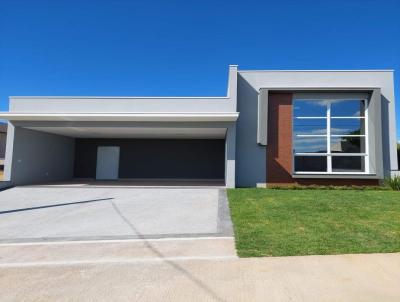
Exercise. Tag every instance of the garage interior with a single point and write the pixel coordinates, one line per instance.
(155, 155)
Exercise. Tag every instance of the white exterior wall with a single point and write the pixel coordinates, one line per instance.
(34, 157)
(48, 104)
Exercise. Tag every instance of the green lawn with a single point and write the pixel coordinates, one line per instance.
(273, 222)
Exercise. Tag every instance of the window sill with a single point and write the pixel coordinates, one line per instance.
(336, 175)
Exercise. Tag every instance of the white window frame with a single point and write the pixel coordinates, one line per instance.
(328, 136)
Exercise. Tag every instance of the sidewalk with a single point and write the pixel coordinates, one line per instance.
(367, 277)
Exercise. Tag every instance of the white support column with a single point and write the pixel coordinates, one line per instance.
(8, 161)
(230, 151)
(232, 84)
(328, 138)
(262, 117)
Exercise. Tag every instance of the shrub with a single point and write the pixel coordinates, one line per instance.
(322, 187)
(393, 182)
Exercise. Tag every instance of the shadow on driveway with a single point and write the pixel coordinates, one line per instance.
(53, 205)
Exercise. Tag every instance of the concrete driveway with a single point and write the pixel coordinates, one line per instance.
(73, 212)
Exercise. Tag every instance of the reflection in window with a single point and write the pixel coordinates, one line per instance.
(325, 129)
(310, 126)
(310, 145)
(347, 145)
(348, 108)
(342, 126)
(313, 108)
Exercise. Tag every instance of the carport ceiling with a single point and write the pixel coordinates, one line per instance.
(135, 132)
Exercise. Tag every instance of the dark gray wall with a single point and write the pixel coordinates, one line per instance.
(156, 158)
(40, 157)
(3, 140)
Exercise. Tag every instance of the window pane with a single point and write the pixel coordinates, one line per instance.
(310, 126)
(348, 108)
(348, 164)
(309, 108)
(310, 163)
(341, 126)
(310, 145)
(347, 144)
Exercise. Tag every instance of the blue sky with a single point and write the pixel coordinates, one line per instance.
(175, 48)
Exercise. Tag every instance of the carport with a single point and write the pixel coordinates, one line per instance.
(137, 147)
(60, 138)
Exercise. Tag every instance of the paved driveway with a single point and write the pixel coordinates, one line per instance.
(58, 212)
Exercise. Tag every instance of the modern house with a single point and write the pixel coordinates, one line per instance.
(273, 127)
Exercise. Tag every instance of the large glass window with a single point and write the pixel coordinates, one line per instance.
(329, 136)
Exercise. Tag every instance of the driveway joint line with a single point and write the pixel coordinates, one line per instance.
(118, 261)
(135, 240)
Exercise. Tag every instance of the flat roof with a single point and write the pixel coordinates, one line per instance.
(117, 97)
(126, 117)
(317, 70)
